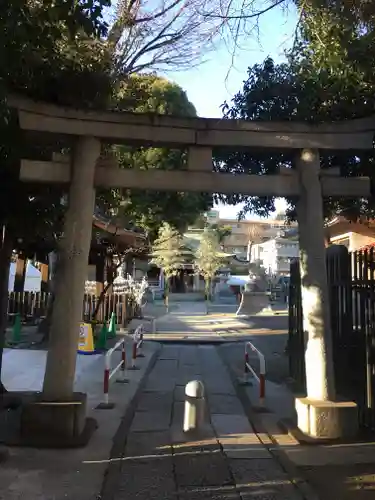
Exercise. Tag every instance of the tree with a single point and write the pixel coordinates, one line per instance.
(200, 222)
(169, 254)
(163, 35)
(340, 35)
(117, 258)
(149, 209)
(55, 52)
(297, 91)
(49, 51)
(207, 259)
(221, 231)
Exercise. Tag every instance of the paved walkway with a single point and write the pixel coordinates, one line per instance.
(344, 471)
(67, 474)
(190, 321)
(228, 461)
(188, 309)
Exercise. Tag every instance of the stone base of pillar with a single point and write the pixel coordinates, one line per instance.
(55, 424)
(327, 419)
(254, 303)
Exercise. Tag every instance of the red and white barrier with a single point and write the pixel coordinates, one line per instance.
(137, 347)
(246, 367)
(140, 344)
(261, 378)
(109, 372)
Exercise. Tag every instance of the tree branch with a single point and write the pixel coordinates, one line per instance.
(243, 16)
(112, 278)
(164, 34)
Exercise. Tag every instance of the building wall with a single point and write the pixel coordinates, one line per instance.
(238, 240)
(359, 240)
(275, 255)
(353, 241)
(353, 235)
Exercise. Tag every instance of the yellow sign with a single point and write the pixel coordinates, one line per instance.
(86, 339)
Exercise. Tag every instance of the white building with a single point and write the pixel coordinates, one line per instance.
(260, 230)
(275, 255)
(33, 278)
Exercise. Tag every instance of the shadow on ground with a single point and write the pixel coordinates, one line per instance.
(154, 459)
(271, 345)
(156, 465)
(341, 471)
(344, 482)
(229, 325)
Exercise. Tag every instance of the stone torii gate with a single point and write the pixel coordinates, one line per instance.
(320, 414)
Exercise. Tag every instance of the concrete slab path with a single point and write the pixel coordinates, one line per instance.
(67, 474)
(189, 322)
(226, 460)
(345, 471)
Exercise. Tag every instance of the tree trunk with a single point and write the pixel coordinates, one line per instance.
(110, 279)
(5, 256)
(101, 300)
(206, 289)
(45, 324)
(166, 292)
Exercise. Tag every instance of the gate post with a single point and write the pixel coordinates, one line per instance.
(319, 414)
(72, 273)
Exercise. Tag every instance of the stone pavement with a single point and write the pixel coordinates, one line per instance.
(190, 322)
(187, 308)
(271, 343)
(67, 474)
(227, 461)
(345, 471)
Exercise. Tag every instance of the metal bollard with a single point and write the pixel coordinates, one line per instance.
(195, 406)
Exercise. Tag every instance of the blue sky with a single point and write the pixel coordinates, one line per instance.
(219, 79)
(209, 85)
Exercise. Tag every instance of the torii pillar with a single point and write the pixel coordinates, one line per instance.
(320, 414)
(58, 416)
(74, 254)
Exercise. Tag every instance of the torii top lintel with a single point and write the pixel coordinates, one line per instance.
(160, 130)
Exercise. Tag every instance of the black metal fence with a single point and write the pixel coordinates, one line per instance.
(296, 342)
(351, 283)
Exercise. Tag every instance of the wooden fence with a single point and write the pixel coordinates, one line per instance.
(33, 306)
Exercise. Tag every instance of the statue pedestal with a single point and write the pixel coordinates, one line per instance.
(253, 303)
